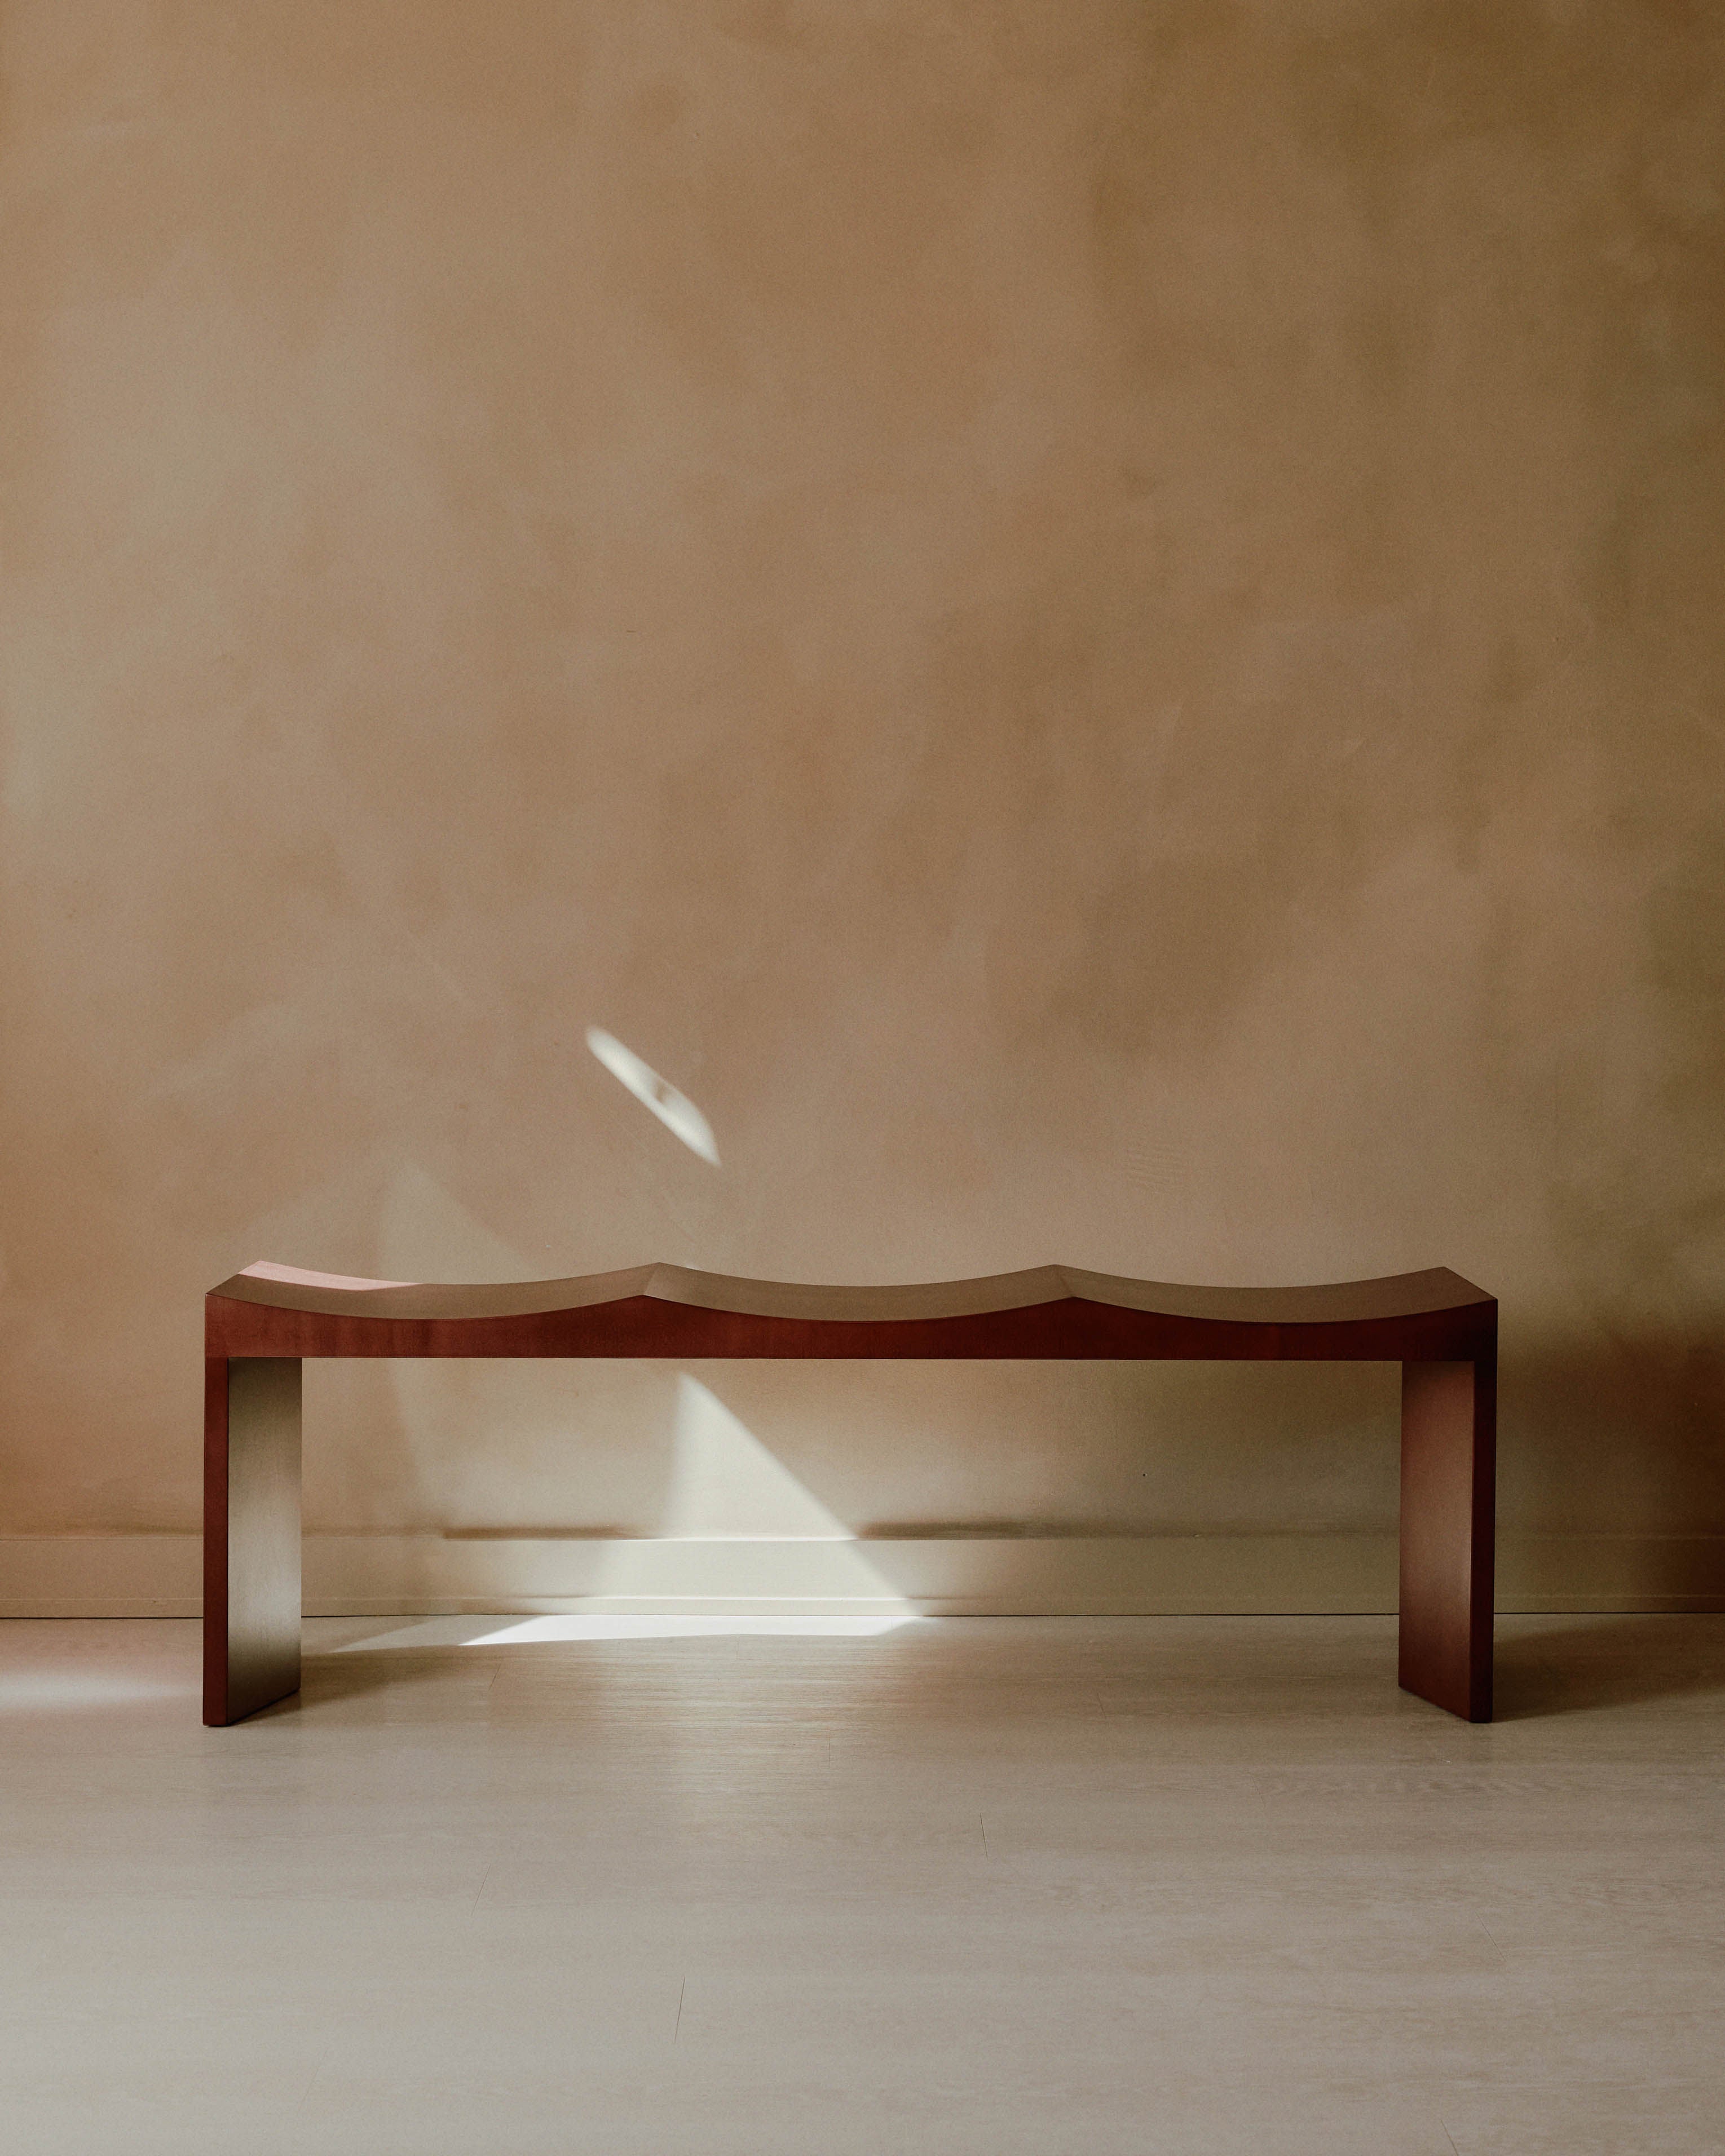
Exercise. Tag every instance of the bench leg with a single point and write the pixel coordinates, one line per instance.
(251, 1534)
(1449, 1505)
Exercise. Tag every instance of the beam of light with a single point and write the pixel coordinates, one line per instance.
(729, 1500)
(726, 1486)
(675, 1110)
(729, 1494)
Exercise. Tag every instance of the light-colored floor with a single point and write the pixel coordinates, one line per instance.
(1065, 1885)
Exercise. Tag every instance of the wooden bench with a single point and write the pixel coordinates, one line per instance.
(260, 1325)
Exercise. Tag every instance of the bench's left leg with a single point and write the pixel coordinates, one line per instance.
(1449, 1513)
(251, 1534)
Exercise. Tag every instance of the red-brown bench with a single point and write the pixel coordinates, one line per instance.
(259, 1326)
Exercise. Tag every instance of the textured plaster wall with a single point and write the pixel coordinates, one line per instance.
(1097, 623)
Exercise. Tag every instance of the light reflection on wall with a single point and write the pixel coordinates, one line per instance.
(675, 1110)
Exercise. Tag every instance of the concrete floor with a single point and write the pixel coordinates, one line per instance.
(977, 1887)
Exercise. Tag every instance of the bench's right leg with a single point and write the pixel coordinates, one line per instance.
(251, 1534)
(1449, 1518)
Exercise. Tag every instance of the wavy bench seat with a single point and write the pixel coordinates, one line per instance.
(261, 1323)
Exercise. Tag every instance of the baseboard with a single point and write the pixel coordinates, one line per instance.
(150, 1575)
(113, 1575)
(938, 1576)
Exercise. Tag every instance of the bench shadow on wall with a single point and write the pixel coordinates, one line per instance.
(1615, 1436)
(1553, 1665)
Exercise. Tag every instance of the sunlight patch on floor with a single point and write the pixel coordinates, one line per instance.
(862, 1623)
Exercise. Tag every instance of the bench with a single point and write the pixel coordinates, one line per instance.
(261, 1323)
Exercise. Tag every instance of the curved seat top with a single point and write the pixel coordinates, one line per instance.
(1400, 1295)
(691, 1311)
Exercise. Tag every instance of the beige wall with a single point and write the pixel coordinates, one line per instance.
(1097, 623)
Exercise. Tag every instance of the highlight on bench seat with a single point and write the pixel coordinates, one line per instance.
(259, 1324)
